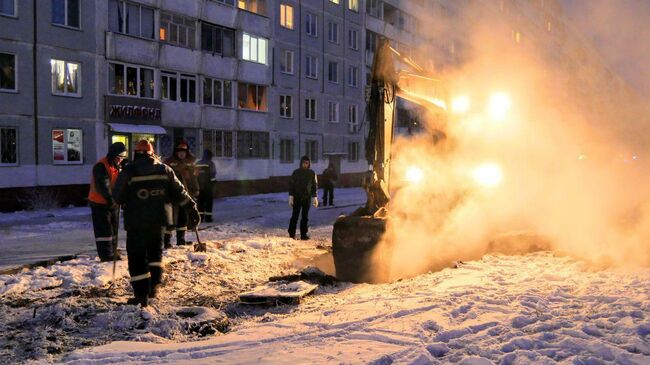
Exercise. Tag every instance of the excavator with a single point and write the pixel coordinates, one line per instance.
(356, 237)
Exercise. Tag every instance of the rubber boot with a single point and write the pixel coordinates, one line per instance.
(167, 240)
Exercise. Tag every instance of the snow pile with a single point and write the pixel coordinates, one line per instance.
(520, 309)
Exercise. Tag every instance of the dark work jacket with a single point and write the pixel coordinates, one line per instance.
(329, 178)
(207, 174)
(303, 184)
(185, 172)
(147, 188)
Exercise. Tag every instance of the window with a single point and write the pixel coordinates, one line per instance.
(188, 89)
(310, 109)
(311, 67)
(217, 92)
(251, 96)
(333, 72)
(7, 72)
(286, 106)
(311, 24)
(67, 146)
(286, 151)
(371, 41)
(129, 18)
(219, 40)
(169, 84)
(8, 7)
(333, 114)
(254, 6)
(333, 32)
(311, 150)
(335, 1)
(353, 76)
(252, 145)
(353, 5)
(375, 8)
(66, 78)
(227, 2)
(286, 63)
(353, 151)
(353, 39)
(353, 121)
(286, 16)
(130, 80)
(254, 48)
(178, 30)
(8, 146)
(219, 142)
(65, 12)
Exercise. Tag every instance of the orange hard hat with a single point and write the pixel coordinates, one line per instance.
(144, 146)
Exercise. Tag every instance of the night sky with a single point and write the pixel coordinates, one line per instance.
(620, 30)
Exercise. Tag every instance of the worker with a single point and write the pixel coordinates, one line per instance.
(207, 176)
(303, 186)
(329, 180)
(148, 188)
(183, 164)
(104, 210)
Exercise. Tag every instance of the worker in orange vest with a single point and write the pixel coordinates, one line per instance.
(103, 207)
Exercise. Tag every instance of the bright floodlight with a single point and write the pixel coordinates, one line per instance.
(460, 105)
(488, 175)
(499, 105)
(414, 174)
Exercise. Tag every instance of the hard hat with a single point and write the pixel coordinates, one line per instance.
(144, 146)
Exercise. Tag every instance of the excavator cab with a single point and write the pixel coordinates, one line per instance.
(358, 257)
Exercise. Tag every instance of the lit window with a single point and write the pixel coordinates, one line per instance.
(353, 5)
(254, 48)
(285, 106)
(286, 16)
(130, 80)
(254, 6)
(67, 146)
(8, 7)
(178, 30)
(335, 1)
(310, 109)
(7, 72)
(251, 96)
(8, 146)
(65, 12)
(66, 78)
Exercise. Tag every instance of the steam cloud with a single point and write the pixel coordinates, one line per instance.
(572, 148)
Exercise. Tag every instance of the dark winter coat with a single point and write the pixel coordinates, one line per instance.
(303, 184)
(147, 188)
(207, 172)
(329, 177)
(185, 170)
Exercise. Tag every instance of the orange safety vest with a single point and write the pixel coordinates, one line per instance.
(93, 195)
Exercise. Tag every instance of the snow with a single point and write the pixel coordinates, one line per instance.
(534, 308)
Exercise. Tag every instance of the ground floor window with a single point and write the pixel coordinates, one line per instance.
(353, 151)
(286, 151)
(252, 144)
(219, 142)
(67, 146)
(311, 150)
(8, 146)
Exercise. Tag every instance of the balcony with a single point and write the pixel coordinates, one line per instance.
(131, 49)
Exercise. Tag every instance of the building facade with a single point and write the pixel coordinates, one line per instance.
(258, 82)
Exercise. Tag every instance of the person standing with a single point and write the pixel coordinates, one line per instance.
(329, 179)
(102, 205)
(183, 164)
(148, 188)
(303, 186)
(207, 173)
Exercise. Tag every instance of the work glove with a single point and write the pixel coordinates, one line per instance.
(315, 202)
(291, 200)
(193, 216)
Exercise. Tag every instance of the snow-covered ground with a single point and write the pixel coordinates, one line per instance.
(536, 308)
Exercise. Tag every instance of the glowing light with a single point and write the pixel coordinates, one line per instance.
(582, 157)
(414, 174)
(488, 175)
(460, 105)
(499, 105)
